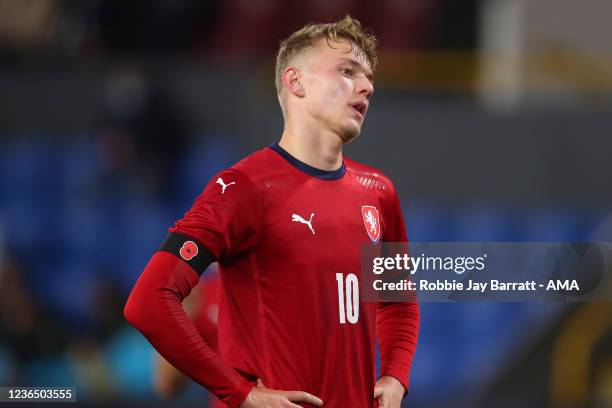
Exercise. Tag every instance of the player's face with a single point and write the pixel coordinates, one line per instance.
(338, 84)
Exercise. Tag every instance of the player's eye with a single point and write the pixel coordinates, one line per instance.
(346, 71)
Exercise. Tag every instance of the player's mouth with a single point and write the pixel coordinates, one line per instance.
(360, 108)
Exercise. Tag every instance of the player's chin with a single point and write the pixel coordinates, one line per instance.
(350, 132)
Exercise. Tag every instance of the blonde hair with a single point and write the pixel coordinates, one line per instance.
(348, 28)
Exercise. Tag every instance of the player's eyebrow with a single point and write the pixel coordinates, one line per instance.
(360, 67)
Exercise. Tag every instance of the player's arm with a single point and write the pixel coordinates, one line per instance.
(168, 381)
(154, 307)
(397, 326)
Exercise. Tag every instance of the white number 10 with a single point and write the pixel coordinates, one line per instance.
(349, 310)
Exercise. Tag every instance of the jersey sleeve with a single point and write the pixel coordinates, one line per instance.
(226, 217)
(154, 308)
(397, 323)
(222, 223)
(394, 228)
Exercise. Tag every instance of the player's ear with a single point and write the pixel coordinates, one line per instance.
(292, 81)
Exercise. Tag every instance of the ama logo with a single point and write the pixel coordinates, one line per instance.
(189, 250)
(371, 221)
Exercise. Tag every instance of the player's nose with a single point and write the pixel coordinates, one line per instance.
(365, 87)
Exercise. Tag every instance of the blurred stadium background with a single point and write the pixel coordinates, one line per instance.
(494, 118)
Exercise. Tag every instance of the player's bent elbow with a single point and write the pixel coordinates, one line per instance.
(129, 313)
(134, 312)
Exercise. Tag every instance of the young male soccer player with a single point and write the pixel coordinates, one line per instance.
(286, 225)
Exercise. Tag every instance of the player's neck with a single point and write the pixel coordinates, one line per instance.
(317, 149)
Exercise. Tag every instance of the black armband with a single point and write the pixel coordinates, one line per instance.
(189, 250)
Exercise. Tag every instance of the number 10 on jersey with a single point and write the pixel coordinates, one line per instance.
(348, 297)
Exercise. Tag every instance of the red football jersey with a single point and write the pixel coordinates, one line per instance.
(287, 237)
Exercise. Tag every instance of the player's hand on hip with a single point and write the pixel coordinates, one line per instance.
(389, 392)
(262, 397)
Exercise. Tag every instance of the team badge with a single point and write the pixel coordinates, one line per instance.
(371, 221)
(189, 250)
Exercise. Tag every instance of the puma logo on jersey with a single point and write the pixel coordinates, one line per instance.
(223, 185)
(297, 218)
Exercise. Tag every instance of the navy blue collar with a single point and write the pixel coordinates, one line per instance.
(308, 169)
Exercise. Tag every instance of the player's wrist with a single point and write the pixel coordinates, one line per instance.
(394, 382)
(254, 398)
(242, 394)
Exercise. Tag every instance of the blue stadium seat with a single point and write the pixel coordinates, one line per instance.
(66, 289)
(424, 221)
(550, 225)
(144, 227)
(481, 224)
(203, 159)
